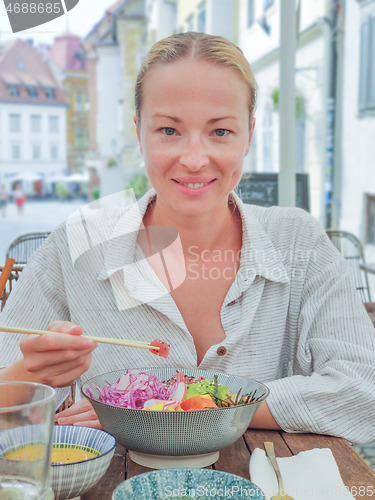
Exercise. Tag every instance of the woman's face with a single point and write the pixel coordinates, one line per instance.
(194, 134)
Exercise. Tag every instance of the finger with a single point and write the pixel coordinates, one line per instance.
(60, 375)
(56, 342)
(60, 361)
(65, 327)
(81, 406)
(70, 420)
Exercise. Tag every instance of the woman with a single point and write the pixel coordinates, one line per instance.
(265, 294)
(19, 198)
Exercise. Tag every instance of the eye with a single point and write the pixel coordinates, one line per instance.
(168, 130)
(221, 132)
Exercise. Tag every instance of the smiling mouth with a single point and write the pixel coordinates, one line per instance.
(194, 185)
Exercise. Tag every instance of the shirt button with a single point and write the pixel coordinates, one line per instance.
(221, 350)
(232, 303)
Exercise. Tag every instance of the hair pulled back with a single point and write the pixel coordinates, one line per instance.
(213, 49)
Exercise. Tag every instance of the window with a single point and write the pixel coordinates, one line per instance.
(14, 90)
(250, 13)
(267, 4)
(53, 124)
(79, 138)
(201, 20)
(16, 151)
(36, 151)
(35, 123)
(367, 65)
(267, 140)
(14, 123)
(79, 102)
(54, 152)
(50, 92)
(32, 91)
(370, 219)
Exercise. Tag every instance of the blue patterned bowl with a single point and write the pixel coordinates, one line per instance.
(70, 480)
(163, 439)
(186, 483)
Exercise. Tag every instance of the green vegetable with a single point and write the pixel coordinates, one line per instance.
(206, 387)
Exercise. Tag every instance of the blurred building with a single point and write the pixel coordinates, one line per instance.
(356, 184)
(68, 62)
(210, 16)
(32, 119)
(260, 40)
(115, 48)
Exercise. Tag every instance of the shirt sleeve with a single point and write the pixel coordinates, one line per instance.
(37, 298)
(331, 389)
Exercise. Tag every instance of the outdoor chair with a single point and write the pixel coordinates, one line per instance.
(351, 248)
(22, 248)
(13, 277)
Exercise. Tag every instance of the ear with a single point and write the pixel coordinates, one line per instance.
(138, 130)
(250, 135)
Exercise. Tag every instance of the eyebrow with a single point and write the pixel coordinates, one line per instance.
(173, 118)
(211, 121)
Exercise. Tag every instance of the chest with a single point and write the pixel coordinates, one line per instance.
(200, 298)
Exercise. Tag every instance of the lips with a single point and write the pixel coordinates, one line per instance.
(194, 184)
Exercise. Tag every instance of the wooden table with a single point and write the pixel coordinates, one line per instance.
(355, 472)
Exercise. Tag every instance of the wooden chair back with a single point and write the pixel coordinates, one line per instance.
(13, 277)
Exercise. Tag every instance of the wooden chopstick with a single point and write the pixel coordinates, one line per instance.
(7, 269)
(102, 340)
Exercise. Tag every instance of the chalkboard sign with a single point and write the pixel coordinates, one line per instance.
(262, 189)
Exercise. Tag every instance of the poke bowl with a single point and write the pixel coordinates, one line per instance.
(159, 436)
(80, 458)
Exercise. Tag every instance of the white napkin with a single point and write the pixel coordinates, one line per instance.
(310, 475)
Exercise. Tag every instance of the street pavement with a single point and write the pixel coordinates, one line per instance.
(36, 216)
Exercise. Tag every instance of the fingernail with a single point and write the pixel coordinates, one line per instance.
(62, 420)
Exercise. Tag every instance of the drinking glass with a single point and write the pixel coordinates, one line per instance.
(26, 426)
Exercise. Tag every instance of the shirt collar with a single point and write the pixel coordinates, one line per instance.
(121, 249)
(259, 256)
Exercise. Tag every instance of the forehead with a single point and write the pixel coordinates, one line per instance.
(191, 80)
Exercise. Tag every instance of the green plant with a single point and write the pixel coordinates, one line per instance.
(111, 162)
(140, 184)
(299, 103)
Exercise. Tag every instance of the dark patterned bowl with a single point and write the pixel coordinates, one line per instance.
(163, 439)
(187, 483)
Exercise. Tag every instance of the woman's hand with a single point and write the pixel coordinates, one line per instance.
(81, 413)
(60, 358)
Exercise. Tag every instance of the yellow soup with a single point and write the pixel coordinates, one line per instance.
(65, 454)
(31, 452)
(61, 454)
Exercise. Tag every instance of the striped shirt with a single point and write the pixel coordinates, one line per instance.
(292, 317)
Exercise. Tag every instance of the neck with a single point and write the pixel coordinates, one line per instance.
(208, 231)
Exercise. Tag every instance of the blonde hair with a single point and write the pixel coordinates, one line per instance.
(214, 49)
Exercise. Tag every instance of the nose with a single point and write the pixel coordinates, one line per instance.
(194, 155)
